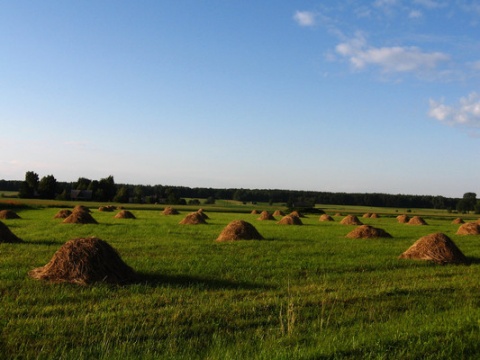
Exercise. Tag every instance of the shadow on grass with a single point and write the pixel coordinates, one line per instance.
(183, 281)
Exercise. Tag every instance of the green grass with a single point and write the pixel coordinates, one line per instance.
(306, 292)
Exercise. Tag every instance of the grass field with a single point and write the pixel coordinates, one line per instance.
(306, 292)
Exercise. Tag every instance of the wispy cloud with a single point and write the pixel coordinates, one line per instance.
(389, 59)
(415, 14)
(430, 4)
(305, 18)
(466, 113)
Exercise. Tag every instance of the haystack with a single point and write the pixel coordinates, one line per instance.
(469, 229)
(325, 217)
(194, 218)
(458, 221)
(6, 236)
(436, 247)
(290, 220)
(366, 215)
(351, 220)
(338, 214)
(239, 230)
(403, 219)
(8, 214)
(108, 208)
(416, 220)
(255, 212)
(84, 261)
(374, 216)
(81, 208)
(170, 211)
(297, 214)
(265, 215)
(367, 232)
(63, 214)
(80, 217)
(278, 213)
(124, 214)
(202, 213)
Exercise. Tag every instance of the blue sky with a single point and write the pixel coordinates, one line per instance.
(343, 96)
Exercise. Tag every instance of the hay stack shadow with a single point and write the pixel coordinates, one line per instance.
(9, 215)
(6, 236)
(84, 261)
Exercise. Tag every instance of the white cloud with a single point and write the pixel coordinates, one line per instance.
(389, 59)
(304, 18)
(466, 113)
(415, 14)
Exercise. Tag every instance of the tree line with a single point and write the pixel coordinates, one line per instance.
(106, 189)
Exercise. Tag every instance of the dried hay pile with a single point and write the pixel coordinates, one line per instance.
(202, 213)
(367, 232)
(416, 220)
(374, 216)
(9, 214)
(458, 221)
(80, 216)
(81, 208)
(63, 214)
(469, 229)
(6, 236)
(366, 215)
(338, 214)
(436, 247)
(403, 219)
(297, 214)
(325, 217)
(290, 220)
(239, 230)
(255, 212)
(278, 213)
(194, 218)
(124, 214)
(351, 220)
(108, 208)
(265, 215)
(84, 261)
(170, 211)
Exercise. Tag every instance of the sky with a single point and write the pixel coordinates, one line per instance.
(340, 96)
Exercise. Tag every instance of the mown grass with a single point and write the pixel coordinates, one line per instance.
(306, 292)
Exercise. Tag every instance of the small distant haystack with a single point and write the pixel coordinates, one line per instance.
(366, 215)
(170, 211)
(290, 220)
(416, 220)
(80, 217)
(84, 261)
(436, 247)
(351, 220)
(403, 219)
(124, 214)
(255, 212)
(297, 214)
(6, 236)
(458, 221)
(367, 232)
(265, 215)
(469, 229)
(338, 214)
(374, 216)
(194, 218)
(278, 213)
(239, 230)
(202, 213)
(108, 208)
(325, 217)
(81, 208)
(9, 214)
(63, 214)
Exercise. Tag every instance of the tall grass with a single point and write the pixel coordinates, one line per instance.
(306, 292)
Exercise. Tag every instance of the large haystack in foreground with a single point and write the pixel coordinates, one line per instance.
(170, 211)
(290, 220)
(403, 219)
(6, 236)
(351, 220)
(436, 247)
(265, 215)
(416, 220)
(84, 261)
(469, 229)
(9, 214)
(239, 230)
(63, 214)
(80, 217)
(194, 218)
(325, 217)
(124, 214)
(367, 232)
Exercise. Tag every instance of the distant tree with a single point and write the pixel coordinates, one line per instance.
(107, 185)
(462, 206)
(193, 202)
(477, 207)
(209, 201)
(47, 187)
(138, 194)
(30, 186)
(470, 200)
(82, 184)
(122, 195)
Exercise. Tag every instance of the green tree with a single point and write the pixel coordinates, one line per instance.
(47, 187)
(470, 200)
(30, 186)
(122, 195)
